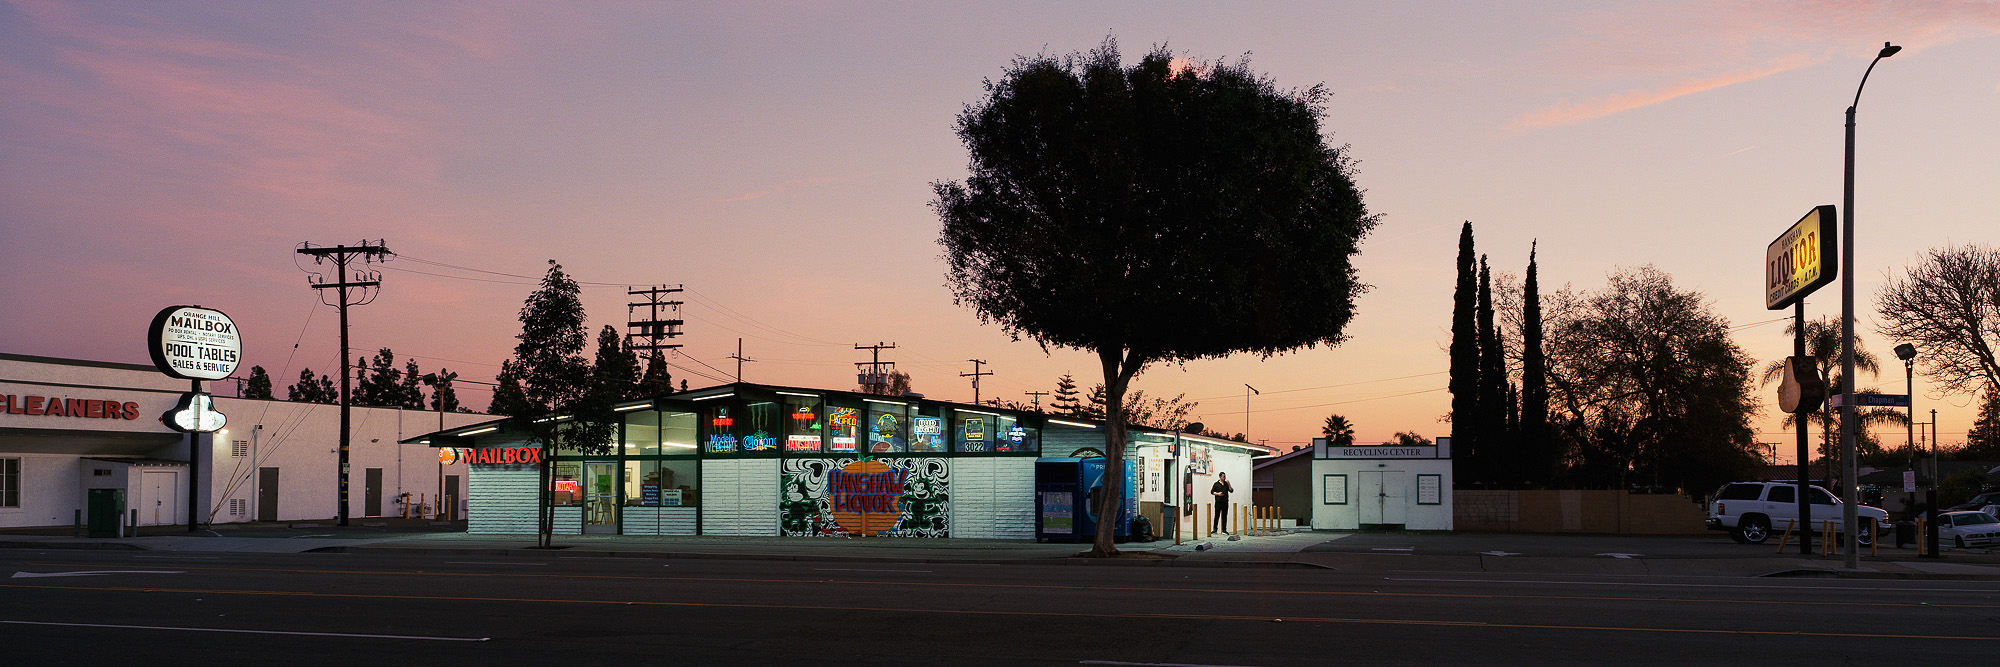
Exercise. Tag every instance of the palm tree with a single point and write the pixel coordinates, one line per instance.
(1338, 432)
(1823, 345)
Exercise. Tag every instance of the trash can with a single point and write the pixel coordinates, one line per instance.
(106, 508)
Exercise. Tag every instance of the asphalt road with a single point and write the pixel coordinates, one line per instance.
(114, 607)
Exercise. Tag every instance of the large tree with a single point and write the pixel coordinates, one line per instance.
(1649, 385)
(259, 384)
(565, 412)
(1104, 200)
(313, 389)
(657, 380)
(1948, 305)
(1495, 453)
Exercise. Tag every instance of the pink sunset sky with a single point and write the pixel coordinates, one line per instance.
(776, 159)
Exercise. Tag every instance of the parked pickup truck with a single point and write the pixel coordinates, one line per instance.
(1751, 510)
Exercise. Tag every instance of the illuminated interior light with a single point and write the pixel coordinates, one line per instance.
(488, 429)
(1058, 421)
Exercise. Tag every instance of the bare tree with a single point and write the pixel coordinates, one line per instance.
(1948, 305)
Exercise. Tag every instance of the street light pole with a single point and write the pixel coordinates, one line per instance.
(1849, 492)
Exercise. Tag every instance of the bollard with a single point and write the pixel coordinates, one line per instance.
(1875, 545)
(1922, 530)
(134, 525)
(79, 523)
(1788, 534)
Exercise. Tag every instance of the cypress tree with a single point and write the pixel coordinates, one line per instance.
(1540, 455)
(1465, 361)
(1492, 422)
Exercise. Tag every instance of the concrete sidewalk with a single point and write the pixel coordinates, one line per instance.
(1348, 552)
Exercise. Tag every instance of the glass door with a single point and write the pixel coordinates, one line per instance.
(600, 498)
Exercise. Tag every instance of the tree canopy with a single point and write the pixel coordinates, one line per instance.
(1648, 386)
(1948, 305)
(1104, 200)
(259, 384)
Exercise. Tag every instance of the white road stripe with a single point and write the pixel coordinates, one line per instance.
(1634, 583)
(250, 632)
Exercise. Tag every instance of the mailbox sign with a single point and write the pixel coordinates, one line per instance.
(194, 343)
(1801, 260)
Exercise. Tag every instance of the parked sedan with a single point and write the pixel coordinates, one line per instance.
(1969, 529)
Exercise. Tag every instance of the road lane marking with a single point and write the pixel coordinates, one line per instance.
(250, 632)
(1623, 556)
(1250, 591)
(981, 612)
(89, 573)
(856, 569)
(1150, 664)
(1498, 553)
(1661, 585)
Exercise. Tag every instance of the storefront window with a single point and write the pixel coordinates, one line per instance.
(975, 431)
(1013, 437)
(722, 429)
(888, 427)
(567, 489)
(660, 483)
(764, 425)
(927, 432)
(677, 432)
(803, 426)
(642, 433)
(843, 429)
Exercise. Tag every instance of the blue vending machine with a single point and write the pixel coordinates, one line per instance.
(1066, 493)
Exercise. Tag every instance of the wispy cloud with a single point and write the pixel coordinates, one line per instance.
(1672, 50)
(1566, 113)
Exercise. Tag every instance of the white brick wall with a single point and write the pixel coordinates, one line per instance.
(993, 498)
(502, 500)
(739, 497)
(659, 520)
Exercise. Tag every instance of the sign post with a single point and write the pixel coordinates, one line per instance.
(1798, 262)
(194, 343)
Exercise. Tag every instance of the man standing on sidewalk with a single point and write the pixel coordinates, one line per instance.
(1220, 520)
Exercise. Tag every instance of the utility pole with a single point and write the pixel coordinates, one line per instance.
(1038, 399)
(1246, 410)
(874, 380)
(366, 285)
(740, 359)
(976, 363)
(654, 329)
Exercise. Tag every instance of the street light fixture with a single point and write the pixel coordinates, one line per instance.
(1850, 493)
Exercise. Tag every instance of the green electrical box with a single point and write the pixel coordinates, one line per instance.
(105, 511)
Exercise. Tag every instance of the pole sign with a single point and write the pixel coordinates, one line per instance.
(194, 343)
(1802, 259)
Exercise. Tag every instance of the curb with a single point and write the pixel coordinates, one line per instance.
(91, 546)
(560, 552)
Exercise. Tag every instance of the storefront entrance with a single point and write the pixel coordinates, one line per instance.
(600, 498)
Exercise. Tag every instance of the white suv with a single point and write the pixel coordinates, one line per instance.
(1751, 510)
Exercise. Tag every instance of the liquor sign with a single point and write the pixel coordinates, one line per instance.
(194, 343)
(1801, 260)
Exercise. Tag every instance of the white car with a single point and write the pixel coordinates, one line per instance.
(1969, 529)
(1751, 511)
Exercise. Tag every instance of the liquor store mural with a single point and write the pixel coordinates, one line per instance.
(900, 497)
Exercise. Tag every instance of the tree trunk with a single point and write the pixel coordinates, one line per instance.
(1118, 371)
(545, 515)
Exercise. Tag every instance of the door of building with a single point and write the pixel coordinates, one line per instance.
(448, 508)
(600, 498)
(371, 492)
(160, 506)
(267, 494)
(1381, 497)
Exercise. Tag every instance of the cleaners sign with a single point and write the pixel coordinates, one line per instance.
(194, 343)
